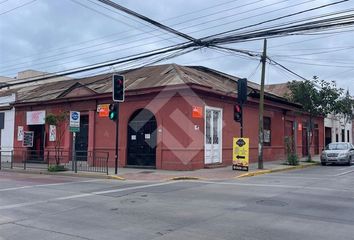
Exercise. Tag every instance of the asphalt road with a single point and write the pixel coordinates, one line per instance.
(313, 203)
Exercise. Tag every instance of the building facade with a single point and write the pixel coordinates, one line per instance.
(174, 117)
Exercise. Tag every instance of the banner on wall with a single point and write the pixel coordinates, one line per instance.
(28, 139)
(52, 133)
(35, 118)
(20, 133)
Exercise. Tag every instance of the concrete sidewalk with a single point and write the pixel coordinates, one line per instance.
(222, 173)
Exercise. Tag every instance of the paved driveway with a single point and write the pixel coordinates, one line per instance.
(312, 203)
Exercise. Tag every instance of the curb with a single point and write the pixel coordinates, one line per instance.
(115, 177)
(65, 174)
(261, 172)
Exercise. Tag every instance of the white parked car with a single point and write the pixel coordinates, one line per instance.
(338, 152)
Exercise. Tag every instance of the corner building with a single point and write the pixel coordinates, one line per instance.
(174, 117)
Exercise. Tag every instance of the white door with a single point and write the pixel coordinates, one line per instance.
(213, 135)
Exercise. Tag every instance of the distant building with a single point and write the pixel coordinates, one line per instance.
(8, 96)
(336, 128)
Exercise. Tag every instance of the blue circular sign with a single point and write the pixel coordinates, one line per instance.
(74, 115)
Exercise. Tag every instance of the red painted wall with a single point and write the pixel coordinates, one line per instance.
(180, 146)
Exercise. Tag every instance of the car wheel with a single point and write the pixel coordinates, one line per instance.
(323, 163)
(350, 161)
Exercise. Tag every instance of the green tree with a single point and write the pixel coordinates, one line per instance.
(317, 97)
(60, 121)
(344, 107)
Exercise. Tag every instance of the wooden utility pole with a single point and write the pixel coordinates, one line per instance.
(261, 107)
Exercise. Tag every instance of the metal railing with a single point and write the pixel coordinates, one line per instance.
(78, 161)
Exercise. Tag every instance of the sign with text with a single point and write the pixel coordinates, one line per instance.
(197, 112)
(35, 118)
(103, 110)
(28, 139)
(20, 133)
(52, 133)
(240, 154)
(74, 125)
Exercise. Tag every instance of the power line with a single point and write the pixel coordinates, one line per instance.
(73, 55)
(149, 20)
(13, 9)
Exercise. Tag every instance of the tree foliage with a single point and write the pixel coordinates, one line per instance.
(344, 107)
(60, 121)
(317, 97)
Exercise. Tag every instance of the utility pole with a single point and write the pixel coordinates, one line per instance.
(261, 107)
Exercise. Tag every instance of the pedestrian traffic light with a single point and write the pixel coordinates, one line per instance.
(113, 114)
(238, 113)
(118, 88)
(242, 90)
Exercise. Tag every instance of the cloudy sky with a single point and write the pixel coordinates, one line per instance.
(55, 35)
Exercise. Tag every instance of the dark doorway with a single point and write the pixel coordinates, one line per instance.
(81, 144)
(304, 142)
(343, 135)
(328, 135)
(36, 153)
(142, 139)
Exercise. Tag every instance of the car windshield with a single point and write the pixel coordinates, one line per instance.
(337, 146)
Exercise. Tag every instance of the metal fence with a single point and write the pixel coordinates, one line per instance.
(78, 161)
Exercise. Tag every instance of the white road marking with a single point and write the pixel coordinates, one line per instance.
(295, 177)
(18, 205)
(272, 186)
(46, 185)
(344, 173)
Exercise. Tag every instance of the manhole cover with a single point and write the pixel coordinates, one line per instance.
(132, 201)
(271, 203)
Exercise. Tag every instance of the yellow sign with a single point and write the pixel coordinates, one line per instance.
(240, 154)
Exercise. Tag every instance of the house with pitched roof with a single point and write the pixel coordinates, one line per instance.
(174, 117)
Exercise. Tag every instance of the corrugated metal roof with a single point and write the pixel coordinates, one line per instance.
(140, 78)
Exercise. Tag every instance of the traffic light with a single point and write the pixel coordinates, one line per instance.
(118, 88)
(238, 113)
(113, 115)
(242, 90)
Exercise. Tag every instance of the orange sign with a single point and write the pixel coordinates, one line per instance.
(103, 110)
(197, 112)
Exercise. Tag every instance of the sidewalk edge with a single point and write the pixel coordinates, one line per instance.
(261, 172)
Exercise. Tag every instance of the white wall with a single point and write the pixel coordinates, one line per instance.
(7, 134)
(337, 124)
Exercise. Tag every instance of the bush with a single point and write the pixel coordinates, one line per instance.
(56, 168)
(292, 158)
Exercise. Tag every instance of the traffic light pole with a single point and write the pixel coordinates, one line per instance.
(117, 131)
(241, 122)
